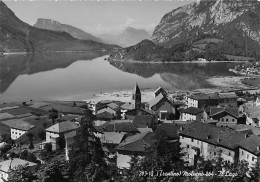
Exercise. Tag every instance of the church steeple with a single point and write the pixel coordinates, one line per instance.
(136, 97)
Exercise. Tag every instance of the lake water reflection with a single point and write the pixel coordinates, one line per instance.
(79, 76)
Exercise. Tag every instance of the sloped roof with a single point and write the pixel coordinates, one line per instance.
(205, 96)
(170, 129)
(254, 112)
(209, 133)
(217, 110)
(113, 106)
(151, 112)
(155, 100)
(105, 114)
(12, 164)
(243, 127)
(143, 120)
(127, 106)
(119, 126)
(63, 127)
(138, 142)
(192, 110)
(251, 143)
(18, 124)
(143, 130)
(4, 116)
(229, 95)
(112, 137)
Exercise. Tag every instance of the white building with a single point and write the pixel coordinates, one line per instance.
(6, 167)
(18, 127)
(225, 116)
(249, 150)
(58, 130)
(192, 114)
(137, 144)
(208, 141)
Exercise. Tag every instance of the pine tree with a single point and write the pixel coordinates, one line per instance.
(87, 158)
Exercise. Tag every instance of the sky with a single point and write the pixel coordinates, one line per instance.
(97, 16)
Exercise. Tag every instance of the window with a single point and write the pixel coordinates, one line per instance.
(188, 146)
(253, 158)
(247, 156)
(229, 154)
(242, 152)
(233, 120)
(214, 153)
(226, 119)
(222, 119)
(192, 140)
(198, 142)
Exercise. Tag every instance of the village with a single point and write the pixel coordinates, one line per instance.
(206, 125)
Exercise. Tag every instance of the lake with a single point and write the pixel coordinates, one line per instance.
(79, 76)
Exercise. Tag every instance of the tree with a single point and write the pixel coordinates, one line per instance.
(87, 158)
(30, 136)
(21, 173)
(42, 135)
(53, 114)
(55, 171)
(163, 157)
(48, 147)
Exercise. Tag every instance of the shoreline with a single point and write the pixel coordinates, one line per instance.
(172, 62)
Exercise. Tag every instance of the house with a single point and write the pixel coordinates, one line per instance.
(225, 116)
(160, 90)
(131, 114)
(145, 121)
(7, 166)
(138, 144)
(111, 140)
(228, 98)
(209, 142)
(118, 126)
(249, 150)
(246, 129)
(203, 100)
(114, 111)
(170, 129)
(192, 114)
(252, 116)
(56, 131)
(18, 127)
(107, 116)
(162, 106)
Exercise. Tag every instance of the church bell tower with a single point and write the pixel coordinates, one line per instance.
(136, 97)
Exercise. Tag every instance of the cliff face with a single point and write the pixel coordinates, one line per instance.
(216, 17)
(215, 30)
(57, 26)
(17, 36)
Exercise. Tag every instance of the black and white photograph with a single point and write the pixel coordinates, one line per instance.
(129, 90)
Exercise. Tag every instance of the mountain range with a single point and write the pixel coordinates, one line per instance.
(18, 36)
(77, 33)
(215, 30)
(130, 36)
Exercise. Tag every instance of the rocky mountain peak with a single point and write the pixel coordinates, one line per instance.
(215, 16)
